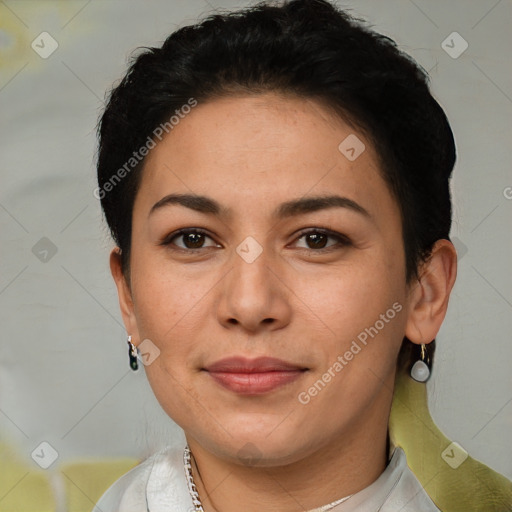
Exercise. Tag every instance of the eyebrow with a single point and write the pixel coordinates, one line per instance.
(291, 208)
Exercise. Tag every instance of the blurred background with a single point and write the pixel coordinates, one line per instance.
(64, 374)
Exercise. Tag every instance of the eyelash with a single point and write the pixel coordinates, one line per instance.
(343, 240)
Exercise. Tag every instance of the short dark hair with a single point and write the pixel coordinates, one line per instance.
(305, 48)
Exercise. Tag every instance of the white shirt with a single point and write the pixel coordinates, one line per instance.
(158, 484)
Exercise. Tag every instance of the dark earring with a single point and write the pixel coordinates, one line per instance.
(132, 351)
(420, 370)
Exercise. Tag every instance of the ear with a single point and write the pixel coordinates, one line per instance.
(125, 296)
(428, 296)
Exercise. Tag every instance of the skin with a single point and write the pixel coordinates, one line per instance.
(296, 301)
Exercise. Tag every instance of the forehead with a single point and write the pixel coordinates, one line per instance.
(263, 149)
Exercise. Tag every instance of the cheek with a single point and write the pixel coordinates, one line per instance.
(362, 313)
(351, 298)
(365, 314)
(167, 302)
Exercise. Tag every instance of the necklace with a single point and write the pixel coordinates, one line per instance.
(192, 489)
(198, 507)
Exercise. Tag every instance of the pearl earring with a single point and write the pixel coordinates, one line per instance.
(420, 370)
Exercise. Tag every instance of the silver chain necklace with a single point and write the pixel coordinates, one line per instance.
(192, 489)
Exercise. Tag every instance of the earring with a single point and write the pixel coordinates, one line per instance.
(132, 352)
(420, 370)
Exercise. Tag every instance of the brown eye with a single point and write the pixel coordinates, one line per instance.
(318, 239)
(192, 239)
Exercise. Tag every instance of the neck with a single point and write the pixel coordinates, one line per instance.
(345, 466)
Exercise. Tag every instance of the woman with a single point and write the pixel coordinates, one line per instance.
(276, 181)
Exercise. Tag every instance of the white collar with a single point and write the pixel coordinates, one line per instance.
(395, 489)
(158, 484)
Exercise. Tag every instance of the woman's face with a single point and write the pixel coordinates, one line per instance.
(263, 279)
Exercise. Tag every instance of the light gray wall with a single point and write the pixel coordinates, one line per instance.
(64, 375)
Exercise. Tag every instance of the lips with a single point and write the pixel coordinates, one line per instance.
(254, 376)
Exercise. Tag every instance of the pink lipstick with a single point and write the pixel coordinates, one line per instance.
(253, 376)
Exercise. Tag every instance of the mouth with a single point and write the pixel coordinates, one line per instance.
(254, 376)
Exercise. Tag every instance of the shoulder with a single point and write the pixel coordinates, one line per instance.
(155, 484)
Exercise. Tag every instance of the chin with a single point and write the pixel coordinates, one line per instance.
(262, 453)
(259, 447)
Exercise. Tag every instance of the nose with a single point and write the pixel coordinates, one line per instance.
(254, 294)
